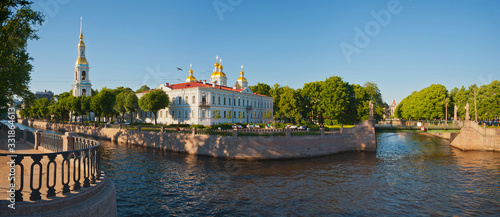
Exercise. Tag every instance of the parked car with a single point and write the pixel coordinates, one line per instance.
(301, 128)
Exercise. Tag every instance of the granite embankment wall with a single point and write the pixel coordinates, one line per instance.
(359, 138)
(474, 137)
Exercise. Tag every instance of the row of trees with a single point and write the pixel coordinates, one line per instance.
(107, 103)
(332, 100)
(435, 101)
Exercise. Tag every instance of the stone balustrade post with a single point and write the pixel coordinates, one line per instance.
(162, 129)
(38, 137)
(193, 131)
(139, 127)
(235, 133)
(288, 134)
(25, 134)
(69, 141)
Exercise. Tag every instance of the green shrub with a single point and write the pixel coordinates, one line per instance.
(177, 125)
(199, 126)
(328, 122)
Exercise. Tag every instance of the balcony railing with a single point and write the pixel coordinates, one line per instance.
(63, 171)
(204, 104)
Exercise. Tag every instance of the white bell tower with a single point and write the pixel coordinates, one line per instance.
(81, 84)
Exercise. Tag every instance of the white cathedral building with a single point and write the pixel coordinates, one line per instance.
(213, 102)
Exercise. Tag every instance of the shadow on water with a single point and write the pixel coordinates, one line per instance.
(410, 174)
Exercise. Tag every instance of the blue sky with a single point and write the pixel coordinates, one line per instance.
(131, 43)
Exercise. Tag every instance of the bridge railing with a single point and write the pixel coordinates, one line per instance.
(64, 172)
(425, 123)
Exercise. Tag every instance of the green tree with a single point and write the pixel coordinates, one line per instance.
(86, 108)
(96, 107)
(428, 104)
(120, 105)
(337, 98)
(142, 89)
(230, 114)
(289, 105)
(131, 104)
(311, 95)
(107, 100)
(268, 114)
(276, 91)
(240, 116)
(154, 101)
(363, 95)
(262, 89)
(216, 114)
(17, 26)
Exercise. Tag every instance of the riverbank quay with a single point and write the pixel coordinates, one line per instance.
(475, 137)
(232, 145)
(48, 183)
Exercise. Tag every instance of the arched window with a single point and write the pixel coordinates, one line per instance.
(84, 75)
(84, 92)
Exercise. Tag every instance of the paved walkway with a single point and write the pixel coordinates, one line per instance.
(26, 148)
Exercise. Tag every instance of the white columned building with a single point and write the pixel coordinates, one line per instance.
(209, 103)
(81, 84)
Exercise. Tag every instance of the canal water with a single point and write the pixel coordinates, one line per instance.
(410, 174)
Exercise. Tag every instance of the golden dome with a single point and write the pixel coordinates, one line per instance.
(190, 78)
(218, 74)
(242, 79)
(81, 61)
(81, 44)
(216, 64)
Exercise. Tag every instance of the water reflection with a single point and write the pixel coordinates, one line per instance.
(410, 174)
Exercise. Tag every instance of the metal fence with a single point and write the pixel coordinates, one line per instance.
(78, 168)
(51, 142)
(30, 137)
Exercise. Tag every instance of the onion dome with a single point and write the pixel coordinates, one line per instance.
(190, 78)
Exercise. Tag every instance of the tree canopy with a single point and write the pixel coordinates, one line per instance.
(17, 21)
(142, 89)
(428, 103)
(154, 101)
(262, 89)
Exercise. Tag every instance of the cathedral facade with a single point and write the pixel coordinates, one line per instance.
(213, 102)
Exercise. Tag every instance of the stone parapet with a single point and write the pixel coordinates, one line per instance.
(474, 137)
(359, 138)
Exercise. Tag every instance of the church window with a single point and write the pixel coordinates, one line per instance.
(84, 75)
(224, 113)
(224, 100)
(219, 100)
(194, 100)
(179, 100)
(187, 100)
(84, 92)
(213, 99)
(186, 114)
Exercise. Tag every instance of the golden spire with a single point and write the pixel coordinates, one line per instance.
(81, 34)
